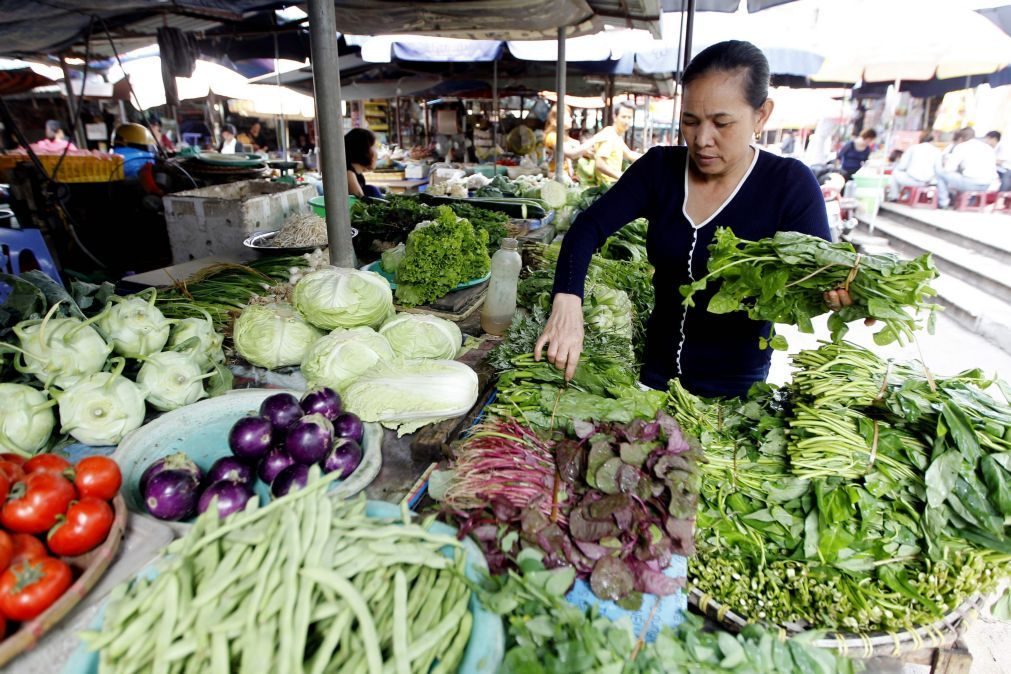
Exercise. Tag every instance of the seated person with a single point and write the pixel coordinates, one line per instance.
(916, 166)
(971, 167)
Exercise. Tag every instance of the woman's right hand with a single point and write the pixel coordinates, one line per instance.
(563, 334)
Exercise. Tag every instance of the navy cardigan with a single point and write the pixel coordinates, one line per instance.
(712, 354)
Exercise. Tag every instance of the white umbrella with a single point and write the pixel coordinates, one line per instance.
(876, 41)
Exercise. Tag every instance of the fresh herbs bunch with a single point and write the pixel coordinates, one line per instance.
(783, 279)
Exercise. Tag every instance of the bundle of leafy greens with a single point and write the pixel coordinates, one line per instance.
(441, 254)
(613, 501)
(382, 224)
(865, 496)
(783, 279)
(635, 279)
(602, 388)
(605, 309)
(527, 326)
(628, 243)
(545, 634)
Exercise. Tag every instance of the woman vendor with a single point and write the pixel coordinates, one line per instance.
(720, 179)
(360, 152)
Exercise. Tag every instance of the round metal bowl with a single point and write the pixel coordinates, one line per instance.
(260, 241)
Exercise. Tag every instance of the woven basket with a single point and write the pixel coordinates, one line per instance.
(89, 569)
(944, 632)
(74, 168)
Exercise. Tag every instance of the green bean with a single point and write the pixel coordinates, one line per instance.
(331, 640)
(357, 604)
(450, 659)
(219, 654)
(400, 639)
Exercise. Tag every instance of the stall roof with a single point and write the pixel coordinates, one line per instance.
(28, 28)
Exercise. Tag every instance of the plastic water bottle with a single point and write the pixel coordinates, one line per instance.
(500, 302)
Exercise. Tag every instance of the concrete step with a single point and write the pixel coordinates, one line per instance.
(985, 233)
(973, 308)
(975, 268)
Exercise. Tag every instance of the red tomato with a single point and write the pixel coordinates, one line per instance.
(30, 587)
(5, 487)
(98, 476)
(50, 462)
(3, 627)
(13, 458)
(6, 550)
(27, 547)
(34, 504)
(12, 471)
(86, 526)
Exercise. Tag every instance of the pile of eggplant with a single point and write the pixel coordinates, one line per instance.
(277, 446)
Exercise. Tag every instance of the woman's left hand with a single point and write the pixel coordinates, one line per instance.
(839, 298)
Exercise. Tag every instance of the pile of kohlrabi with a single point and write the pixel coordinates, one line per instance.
(93, 378)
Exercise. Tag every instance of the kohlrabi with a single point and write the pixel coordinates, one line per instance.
(172, 380)
(26, 419)
(134, 325)
(58, 351)
(102, 408)
(196, 336)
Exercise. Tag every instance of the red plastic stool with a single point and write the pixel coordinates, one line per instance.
(1003, 203)
(975, 201)
(919, 196)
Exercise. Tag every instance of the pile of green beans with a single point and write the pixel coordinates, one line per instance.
(304, 584)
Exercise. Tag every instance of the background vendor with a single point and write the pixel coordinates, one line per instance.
(360, 152)
(721, 179)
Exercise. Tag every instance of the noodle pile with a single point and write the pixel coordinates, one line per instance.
(303, 229)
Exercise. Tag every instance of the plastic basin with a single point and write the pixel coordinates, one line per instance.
(319, 207)
(201, 432)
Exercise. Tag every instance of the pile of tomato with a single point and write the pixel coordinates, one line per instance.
(49, 509)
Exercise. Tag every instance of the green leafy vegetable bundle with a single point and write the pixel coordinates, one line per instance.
(441, 254)
(865, 496)
(602, 389)
(547, 635)
(783, 279)
(635, 279)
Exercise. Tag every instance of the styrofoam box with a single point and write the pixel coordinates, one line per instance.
(215, 220)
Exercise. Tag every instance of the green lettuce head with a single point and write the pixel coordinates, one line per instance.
(422, 336)
(339, 358)
(337, 297)
(273, 335)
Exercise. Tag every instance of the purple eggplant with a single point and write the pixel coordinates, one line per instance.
(251, 437)
(171, 495)
(293, 477)
(231, 468)
(348, 425)
(323, 401)
(282, 409)
(343, 459)
(231, 497)
(309, 439)
(276, 460)
(177, 461)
